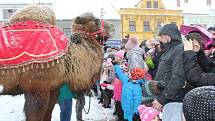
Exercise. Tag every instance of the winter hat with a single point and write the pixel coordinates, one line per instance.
(199, 104)
(132, 42)
(150, 89)
(147, 113)
(154, 87)
(137, 73)
(172, 31)
(111, 55)
(120, 54)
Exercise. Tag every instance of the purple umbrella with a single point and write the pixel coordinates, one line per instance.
(207, 37)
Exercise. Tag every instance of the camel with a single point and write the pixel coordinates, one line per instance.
(77, 62)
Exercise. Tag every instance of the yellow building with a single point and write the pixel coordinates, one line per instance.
(147, 18)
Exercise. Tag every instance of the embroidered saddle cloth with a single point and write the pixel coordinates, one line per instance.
(28, 42)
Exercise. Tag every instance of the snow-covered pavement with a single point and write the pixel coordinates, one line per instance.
(11, 109)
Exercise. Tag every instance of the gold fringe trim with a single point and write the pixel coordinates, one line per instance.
(53, 63)
(48, 66)
(32, 66)
(13, 71)
(8, 72)
(42, 66)
(19, 70)
(23, 69)
(37, 66)
(2, 72)
(27, 68)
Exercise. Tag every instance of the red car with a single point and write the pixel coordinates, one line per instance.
(207, 37)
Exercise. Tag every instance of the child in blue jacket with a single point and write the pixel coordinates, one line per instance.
(131, 90)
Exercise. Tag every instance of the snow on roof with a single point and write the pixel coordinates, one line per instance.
(193, 7)
(66, 9)
(124, 3)
(25, 1)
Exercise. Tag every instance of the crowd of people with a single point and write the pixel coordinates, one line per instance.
(148, 82)
(167, 79)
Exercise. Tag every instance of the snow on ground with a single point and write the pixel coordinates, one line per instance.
(11, 109)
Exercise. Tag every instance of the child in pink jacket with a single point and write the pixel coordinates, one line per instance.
(119, 55)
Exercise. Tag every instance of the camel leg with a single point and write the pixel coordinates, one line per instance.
(52, 102)
(36, 105)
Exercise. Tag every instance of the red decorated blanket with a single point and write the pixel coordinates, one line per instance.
(29, 42)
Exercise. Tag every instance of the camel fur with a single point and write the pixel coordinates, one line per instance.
(40, 84)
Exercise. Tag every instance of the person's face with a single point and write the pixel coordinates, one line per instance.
(156, 118)
(164, 39)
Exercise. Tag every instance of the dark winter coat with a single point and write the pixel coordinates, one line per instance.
(170, 68)
(194, 73)
(204, 62)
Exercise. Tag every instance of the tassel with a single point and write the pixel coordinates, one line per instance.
(58, 61)
(8, 72)
(23, 69)
(48, 66)
(42, 66)
(53, 63)
(13, 71)
(37, 66)
(27, 68)
(19, 70)
(32, 66)
(2, 73)
(61, 60)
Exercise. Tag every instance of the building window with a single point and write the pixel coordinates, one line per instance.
(7, 13)
(178, 3)
(67, 31)
(155, 3)
(173, 22)
(186, 1)
(158, 26)
(146, 26)
(132, 26)
(209, 2)
(148, 4)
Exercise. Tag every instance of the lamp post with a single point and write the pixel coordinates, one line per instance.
(102, 14)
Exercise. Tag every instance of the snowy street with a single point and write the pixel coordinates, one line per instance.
(12, 110)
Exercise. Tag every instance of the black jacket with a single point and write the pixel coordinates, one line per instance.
(171, 71)
(170, 68)
(207, 64)
(194, 73)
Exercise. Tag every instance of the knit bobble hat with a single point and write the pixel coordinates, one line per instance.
(199, 104)
(137, 73)
(120, 54)
(154, 87)
(112, 56)
(147, 113)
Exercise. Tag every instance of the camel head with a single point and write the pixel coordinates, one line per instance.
(38, 13)
(98, 29)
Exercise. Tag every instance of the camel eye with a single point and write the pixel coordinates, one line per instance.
(97, 22)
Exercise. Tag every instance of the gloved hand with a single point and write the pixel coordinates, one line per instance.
(136, 117)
